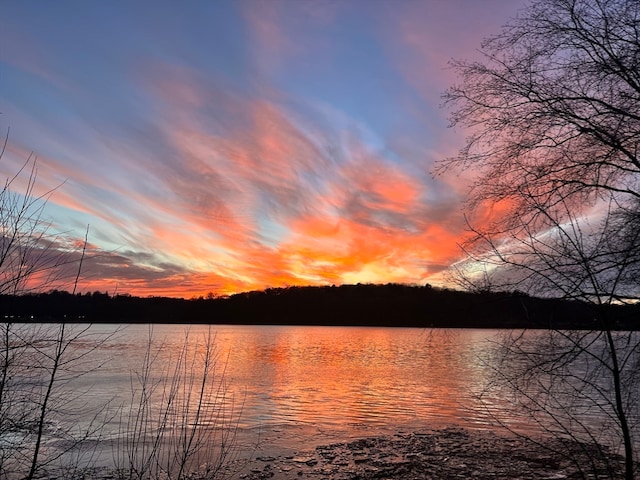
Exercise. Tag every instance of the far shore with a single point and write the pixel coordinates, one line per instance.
(389, 305)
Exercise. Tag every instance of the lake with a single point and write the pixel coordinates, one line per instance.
(287, 387)
(320, 383)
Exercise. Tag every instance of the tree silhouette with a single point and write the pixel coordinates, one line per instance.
(553, 115)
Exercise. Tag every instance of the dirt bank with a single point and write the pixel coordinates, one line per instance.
(451, 453)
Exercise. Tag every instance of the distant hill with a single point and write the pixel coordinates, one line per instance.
(392, 305)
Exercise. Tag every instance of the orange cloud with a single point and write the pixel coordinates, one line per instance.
(264, 167)
(236, 193)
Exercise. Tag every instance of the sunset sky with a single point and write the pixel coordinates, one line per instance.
(224, 146)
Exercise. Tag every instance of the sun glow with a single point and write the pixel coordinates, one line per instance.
(257, 151)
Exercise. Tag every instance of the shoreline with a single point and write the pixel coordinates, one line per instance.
(451, 452)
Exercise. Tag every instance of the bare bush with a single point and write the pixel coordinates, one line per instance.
(42, 425)
(182, 418)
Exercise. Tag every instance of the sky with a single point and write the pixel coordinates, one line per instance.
(226, 146)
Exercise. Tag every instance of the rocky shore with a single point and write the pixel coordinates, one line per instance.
(451, 453)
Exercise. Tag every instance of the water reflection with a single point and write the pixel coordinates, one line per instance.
(330, 379)
(340, 377)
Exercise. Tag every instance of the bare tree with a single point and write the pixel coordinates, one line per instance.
(553, 108)
(32, 258)
(553, 116)
(43, 424)
(38, 363)
(577, 384)
(180, 421)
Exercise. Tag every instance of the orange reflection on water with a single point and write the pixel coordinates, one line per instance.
(345, 378)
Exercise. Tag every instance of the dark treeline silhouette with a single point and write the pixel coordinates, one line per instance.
(392, 305)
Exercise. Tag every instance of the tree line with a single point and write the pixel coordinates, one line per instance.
(391, 305)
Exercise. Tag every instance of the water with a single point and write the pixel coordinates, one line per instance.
(288, 387)
(327, 381)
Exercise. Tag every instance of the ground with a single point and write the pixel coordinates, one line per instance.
(448, 453)
(451, 453)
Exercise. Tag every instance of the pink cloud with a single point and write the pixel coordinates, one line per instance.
(366, 218)
(28, 55)
(280, 30)
(418, 30)
(241, 193)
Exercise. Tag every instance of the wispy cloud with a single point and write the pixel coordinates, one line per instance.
(276, 143)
